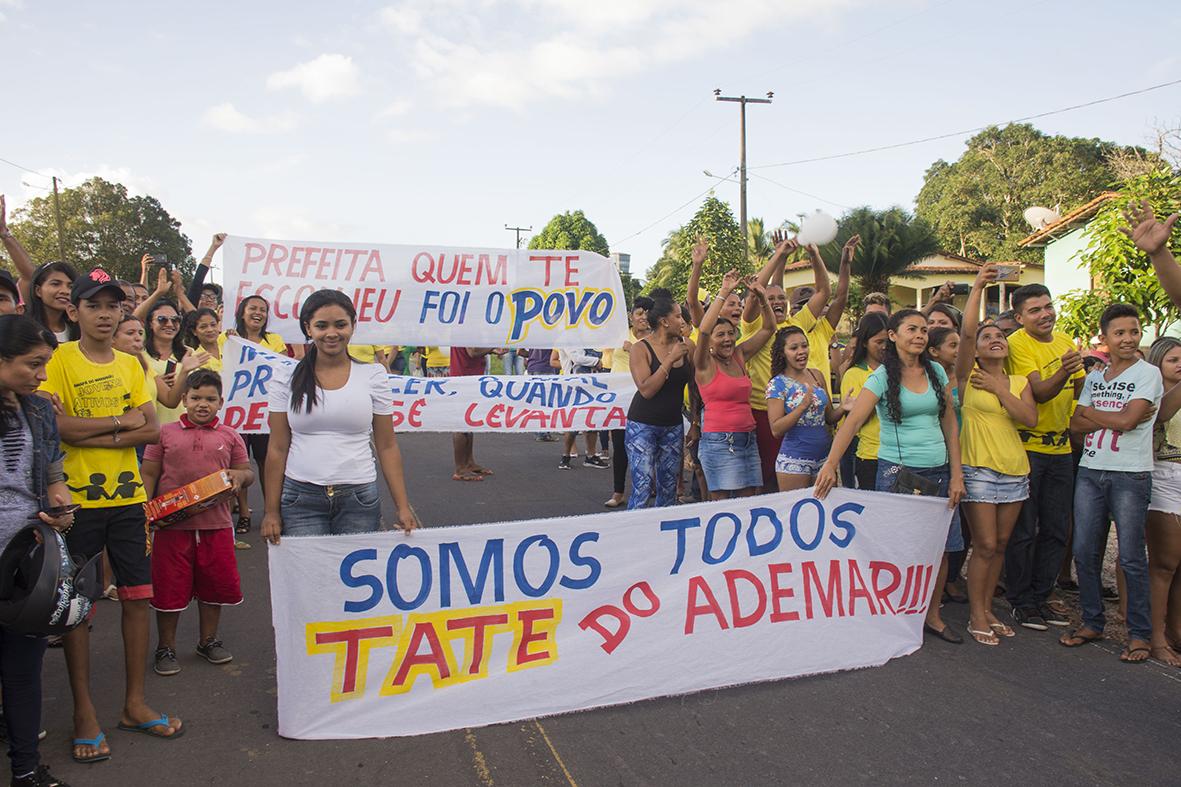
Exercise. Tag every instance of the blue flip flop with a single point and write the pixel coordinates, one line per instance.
(95, 742)
(147, 727)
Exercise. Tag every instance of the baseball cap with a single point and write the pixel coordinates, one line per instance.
(9, 283)
(90, 284)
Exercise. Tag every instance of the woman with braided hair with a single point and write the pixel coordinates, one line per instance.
(912, 397)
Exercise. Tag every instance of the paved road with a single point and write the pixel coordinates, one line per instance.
(1027, 710)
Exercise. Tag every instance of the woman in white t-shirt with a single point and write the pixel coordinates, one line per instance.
(321, 477)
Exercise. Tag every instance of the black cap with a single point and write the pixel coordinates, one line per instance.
(8, 283)
(90, 284)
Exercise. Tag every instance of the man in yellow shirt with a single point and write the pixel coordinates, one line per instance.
(820, 337)
(758, 366)
(106, 411)
(1055, 371)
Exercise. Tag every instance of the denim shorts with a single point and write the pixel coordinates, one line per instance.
(941, 475)
(985, 485)
(730, 460)
(314, 510)
(1166, 487)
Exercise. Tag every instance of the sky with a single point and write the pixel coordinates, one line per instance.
(441, 121)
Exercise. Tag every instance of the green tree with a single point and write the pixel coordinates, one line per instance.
(570, 230)
(976, 203)
(727, 251)
(758, 242)
(890, 241)
(1121, 271)
(631, 288)
(103, 225)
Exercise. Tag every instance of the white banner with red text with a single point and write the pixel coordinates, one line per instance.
(435, 295)
(492, 403)
(384, 634)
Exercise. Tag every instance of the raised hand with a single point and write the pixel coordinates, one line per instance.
(1149, 235)
(813, 251)
(178, 285)
(162, 283)
(849, 250)
(700, 250)
(784, 244)
(144, 262)
(193, 359)
(729, 282)
(987, 275)
(943, 293)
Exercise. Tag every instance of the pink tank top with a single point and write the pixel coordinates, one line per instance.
(727, 404)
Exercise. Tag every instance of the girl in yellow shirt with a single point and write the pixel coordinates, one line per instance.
(996, 469)
(870, 343)
(202, 332)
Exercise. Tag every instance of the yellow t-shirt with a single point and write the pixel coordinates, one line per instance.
(213, 364)
(1027, 354)
(759, 367)
(272, 341)
(165, 415)
(819, 338)
(989, 437)
(868, 436)
(438, 357)
(365, 353)
(98, 477)
(620, 360)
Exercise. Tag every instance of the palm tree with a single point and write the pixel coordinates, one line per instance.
(758, 242)
(891, 240)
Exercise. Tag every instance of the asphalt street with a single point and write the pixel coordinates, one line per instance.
(1027, 711)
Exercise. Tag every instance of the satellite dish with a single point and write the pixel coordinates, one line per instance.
(1040, 218)
(819, 228)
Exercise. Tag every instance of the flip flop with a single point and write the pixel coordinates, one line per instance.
(467, 477)
(147, 727)
(611, 503)
(1085, 639)
(1128, 652)
(95, 742)
(1002, 629)
(980, 636)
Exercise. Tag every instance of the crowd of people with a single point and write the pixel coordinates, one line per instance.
(110, 393)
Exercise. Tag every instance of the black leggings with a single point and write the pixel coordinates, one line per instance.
(256, 446)
(618, 460)
(20, 677)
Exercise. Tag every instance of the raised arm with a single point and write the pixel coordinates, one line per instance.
(756, 341)
(966, 358)
(1152, 237)
(18, 255)
(178, 291)
(784, 246)
(203, 267)
(700, 250)
(162, 287)
(823, 289)
(701, 360)
(941, 295)
(840, 298)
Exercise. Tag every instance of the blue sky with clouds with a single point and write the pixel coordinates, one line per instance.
(440, 121)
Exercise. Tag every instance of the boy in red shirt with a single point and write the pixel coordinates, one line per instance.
(194, 558)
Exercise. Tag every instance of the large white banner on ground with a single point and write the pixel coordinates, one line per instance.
(526, 403)
(435, 295)
(385, 634)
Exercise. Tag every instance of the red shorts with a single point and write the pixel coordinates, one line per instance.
(768, 447)
(194, 564)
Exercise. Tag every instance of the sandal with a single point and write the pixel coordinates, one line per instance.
(613, 503)
(1002, 629)
(1129, 652)
(95, 743)
(1076, 639)
(947, 634)
(243, 526)
(984, 637)
(150, 727)
(467, 477)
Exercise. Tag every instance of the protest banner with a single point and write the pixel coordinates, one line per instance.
(385, 634)
(435, 295)
(525, 403)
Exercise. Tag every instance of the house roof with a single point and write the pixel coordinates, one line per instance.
(1068, 222)
(939, 262)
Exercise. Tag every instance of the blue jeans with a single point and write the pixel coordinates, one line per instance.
(314, 510)
(653, 451)
(1099, 497)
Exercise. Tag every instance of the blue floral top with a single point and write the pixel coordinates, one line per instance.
(792, 393)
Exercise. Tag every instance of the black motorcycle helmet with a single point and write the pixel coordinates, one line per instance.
(42, 589)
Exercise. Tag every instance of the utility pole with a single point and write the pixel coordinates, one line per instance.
(57, 212)
(518, 230)
(742, 101)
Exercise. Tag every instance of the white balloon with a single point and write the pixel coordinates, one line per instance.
(819, 228)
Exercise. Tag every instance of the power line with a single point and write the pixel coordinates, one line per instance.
(26, 169)
(798, 191)
(672, 212)
(937, 137)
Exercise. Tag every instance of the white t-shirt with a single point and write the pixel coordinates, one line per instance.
(330, 445)
(1107, 449)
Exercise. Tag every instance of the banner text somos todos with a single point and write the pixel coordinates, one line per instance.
(436, 296)
(453, 627)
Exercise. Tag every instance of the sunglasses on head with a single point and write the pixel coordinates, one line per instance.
(160, 318)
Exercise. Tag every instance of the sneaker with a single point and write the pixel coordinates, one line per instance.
(606, 457)
(1068, 586)
(564, 464)
(38, 778)
(166, 663)
(1047, 613)
(1030, 618)
(213, 652)
(1110, 594)
(595, 461)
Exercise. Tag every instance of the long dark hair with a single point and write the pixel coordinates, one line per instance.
(240, 319)
(178, 343)
(19, 335)
(893, 363)
(36, 307)
(190, 327)
(661, 307)
(870, 326)
(778, 359)
(303, 379)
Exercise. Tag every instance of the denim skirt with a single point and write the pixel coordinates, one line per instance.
(984, 485)
(730, 460)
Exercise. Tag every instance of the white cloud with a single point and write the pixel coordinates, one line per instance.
(227, 117)
(395, 109)
(286, 224)
(531, 49)
(326, 77)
